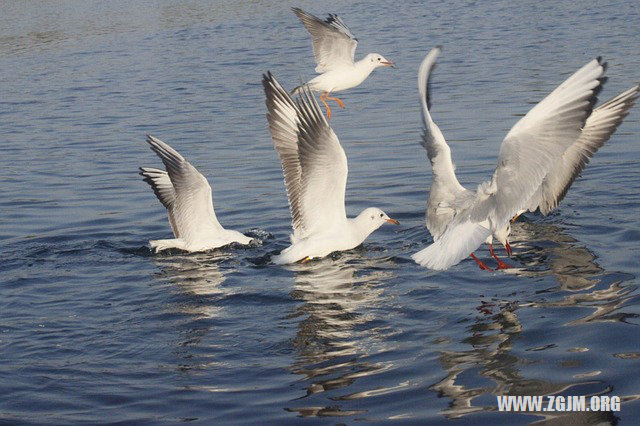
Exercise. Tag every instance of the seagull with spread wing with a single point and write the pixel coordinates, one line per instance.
(459, 219)
(315, 175)
(601, 124)
(334, 48)
(186, 195)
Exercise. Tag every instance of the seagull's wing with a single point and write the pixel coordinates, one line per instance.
(163, 188)
(445, 188)
(161, 185)
(324, 167)
(317, 198)
(542, 136)
(282, 115)
(527, 153)
(191, 210)
(433, 141)
(599, 127)
(333, 43)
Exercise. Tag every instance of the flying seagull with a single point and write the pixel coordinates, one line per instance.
(334, 48)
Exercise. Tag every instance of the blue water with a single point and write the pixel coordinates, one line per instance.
(94, 328)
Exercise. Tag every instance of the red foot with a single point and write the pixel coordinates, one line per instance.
(480, 263)
(501, 264)
(507, 247)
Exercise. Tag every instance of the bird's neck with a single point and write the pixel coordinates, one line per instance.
(362, 227)
(365, 66)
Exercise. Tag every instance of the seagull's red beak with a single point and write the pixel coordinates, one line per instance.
(395, 222)
(388, 64)
(507, 247)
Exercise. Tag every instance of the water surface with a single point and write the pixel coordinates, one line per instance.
(95, 328)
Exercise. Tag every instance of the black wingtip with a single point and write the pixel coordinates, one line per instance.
(594, 97)
(267, 78)
(301, 14)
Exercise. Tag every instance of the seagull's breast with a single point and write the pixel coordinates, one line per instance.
(340, 78)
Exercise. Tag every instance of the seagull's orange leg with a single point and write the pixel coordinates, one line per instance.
(322, 97)
(329, 98)
(501, 264)
(480, 263)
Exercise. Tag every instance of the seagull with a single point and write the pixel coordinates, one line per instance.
(334, 47)
(186, 195)
(460, 220)
(315, 175)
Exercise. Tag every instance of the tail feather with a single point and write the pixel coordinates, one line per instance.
(453, 246)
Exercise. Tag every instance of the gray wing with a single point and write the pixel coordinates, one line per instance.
(282, 115)
(333, 43)
(316, 193)
(599, 127)
(542, 136)
(163, 188)
(161, 185)
(191, 210)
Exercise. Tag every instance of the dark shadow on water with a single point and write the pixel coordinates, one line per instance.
(545, 250)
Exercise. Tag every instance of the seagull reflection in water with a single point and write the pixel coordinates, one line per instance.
(335, 337)
(547, 250)
(198, 301)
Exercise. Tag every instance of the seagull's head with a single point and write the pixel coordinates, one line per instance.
(373, 218)
(377, 60)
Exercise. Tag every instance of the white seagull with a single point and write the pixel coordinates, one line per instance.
(315, 175)
(186, 195)
(334, 48)
(459, 219)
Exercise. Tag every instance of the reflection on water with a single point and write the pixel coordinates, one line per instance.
(545, 250)
(93, 328)
(335, 334)
(195, 273)
(604, 302)
(492, 339)
(196, 280)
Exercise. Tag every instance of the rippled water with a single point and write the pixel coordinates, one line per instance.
(94, 328)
